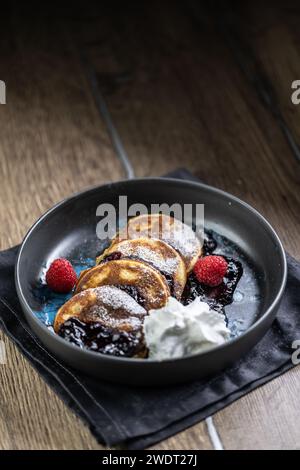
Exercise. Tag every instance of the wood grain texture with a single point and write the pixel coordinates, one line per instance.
(178, 97)
(271, 35)
(31, 415)
(194, 438)
(52, 140)
(265, 419)
(52, 144)
(184, 101)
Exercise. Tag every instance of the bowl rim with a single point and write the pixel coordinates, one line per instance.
(136, 361)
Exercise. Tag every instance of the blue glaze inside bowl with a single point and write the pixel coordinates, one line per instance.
(50, 301)
(241, 313)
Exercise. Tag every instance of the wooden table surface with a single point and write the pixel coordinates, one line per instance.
(204, 87)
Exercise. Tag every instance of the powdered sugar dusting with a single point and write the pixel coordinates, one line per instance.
(114, 298)
(168, 229)
(164, 264)
(183, 239)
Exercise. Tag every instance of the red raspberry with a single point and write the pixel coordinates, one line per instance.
(211, 269)
(61, 276)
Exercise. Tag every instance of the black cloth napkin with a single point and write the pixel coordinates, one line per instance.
(137, 417)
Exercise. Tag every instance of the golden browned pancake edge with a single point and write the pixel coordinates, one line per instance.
(150, 284)
(158, 254)
(107, 305)
(184, 240)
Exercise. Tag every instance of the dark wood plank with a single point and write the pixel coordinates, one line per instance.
(52, 144)
(265, 419)
(264, 40)
(179, 98)
(193, 438)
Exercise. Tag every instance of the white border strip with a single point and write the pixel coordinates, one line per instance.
(213, 434)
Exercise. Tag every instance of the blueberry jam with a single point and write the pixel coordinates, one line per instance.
(133, 292)
(240, 297)
(216, 297)
(209, 242)
(170, 282)
(99, 338)
(113, 256)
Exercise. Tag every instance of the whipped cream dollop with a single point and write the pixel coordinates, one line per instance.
(176, 330)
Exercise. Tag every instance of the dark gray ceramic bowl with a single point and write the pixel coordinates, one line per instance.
(70, 225)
